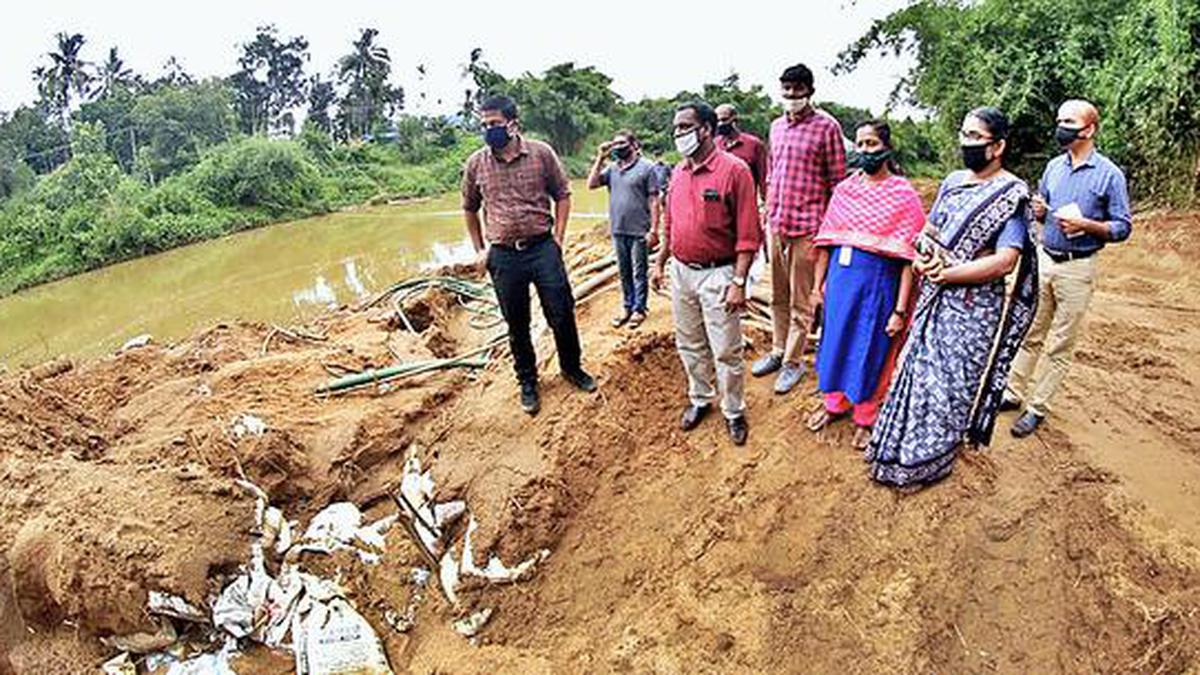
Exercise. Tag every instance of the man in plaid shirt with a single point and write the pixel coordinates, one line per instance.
(807, 158)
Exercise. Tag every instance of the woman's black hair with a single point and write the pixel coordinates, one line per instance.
(884, 131)
(994, 119)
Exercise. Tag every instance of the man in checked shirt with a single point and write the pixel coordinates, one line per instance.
(807, 158)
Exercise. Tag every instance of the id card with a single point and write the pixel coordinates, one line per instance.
(844, 254)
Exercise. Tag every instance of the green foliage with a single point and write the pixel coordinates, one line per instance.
(270, 81)
(369, 98)
(173, 125)
(1138, 60)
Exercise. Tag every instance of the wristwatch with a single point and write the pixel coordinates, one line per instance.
(900, 313)
(738, 281)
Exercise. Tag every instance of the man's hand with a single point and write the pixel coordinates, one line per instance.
(656, 277)
(895, 324)
(1039, 207)
(816, 298)
(1073, 227)
(602, 150)
(558, 239)
(651, 239)
(481, 259)
(735, 298)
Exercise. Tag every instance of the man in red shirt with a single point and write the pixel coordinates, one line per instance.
(743, 145)
(807, 159)
(711, 233)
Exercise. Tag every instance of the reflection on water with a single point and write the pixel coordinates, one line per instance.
(282, 273)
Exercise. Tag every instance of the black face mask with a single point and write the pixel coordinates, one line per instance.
(1066, 135)
(872, 162)
(725, 129)
(621, 154)
(975, 157)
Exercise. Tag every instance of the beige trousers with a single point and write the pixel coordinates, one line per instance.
(1064, 293)
(792, 266)
(708, 337)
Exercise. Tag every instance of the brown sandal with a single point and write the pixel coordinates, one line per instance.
(822, 418)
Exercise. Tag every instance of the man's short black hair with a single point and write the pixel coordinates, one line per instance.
(505, 105)
(797, 74)
(704, 113)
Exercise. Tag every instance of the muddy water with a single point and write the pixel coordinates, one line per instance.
(280, 273)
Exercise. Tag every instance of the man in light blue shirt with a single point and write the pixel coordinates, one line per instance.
(1084, 202)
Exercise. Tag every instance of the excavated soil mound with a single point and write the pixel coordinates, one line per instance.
(1073, 551)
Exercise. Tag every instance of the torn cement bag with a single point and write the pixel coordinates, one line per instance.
(331, 638)
(165, 604)
(426, 519)
(496, 571)
(247, 425)
(144, 643)
(339, 527)
(470, 626)
(120, 664)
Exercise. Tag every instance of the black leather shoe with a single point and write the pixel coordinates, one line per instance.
(1026, 424)
(531, 403)
(1009, 404)
(581, 380)
(738, 430)
(693, 415)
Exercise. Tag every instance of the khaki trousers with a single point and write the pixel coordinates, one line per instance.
(708, 337)
(792, 266)
(1064, 293)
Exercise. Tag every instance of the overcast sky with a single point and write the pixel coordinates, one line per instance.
(648, 48)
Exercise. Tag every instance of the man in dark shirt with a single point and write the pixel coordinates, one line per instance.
(514, 180)
(1084, 204)
(743, 145)
(633, 215)
(710, 234)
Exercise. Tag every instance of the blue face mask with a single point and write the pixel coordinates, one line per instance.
(496, 137)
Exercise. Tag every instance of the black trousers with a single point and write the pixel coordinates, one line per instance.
(512, 272)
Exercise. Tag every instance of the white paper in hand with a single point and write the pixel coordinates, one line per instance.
(1072, 212)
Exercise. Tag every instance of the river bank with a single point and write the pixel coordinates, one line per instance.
(1076, 550)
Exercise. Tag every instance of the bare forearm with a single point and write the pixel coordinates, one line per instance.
(474, 229)
(741, 267)
(562, 213)
(655, 214)
(906, 286)
(593, 181)
(983, 269)
(820, 268)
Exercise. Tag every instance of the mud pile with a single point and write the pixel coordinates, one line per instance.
(1073, 551)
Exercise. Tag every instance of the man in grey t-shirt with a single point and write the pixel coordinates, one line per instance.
(633, 211)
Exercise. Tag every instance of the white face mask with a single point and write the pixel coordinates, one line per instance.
(688, 143)
(795, 105)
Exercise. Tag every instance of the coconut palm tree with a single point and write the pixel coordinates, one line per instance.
(65, 77)
(112, 75)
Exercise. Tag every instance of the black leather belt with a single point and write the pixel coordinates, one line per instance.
(522, 244)
(1067, 256)
(708, 265)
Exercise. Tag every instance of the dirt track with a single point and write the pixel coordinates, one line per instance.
(1074, 551)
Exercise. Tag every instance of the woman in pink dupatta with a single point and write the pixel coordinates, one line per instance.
(863, 280)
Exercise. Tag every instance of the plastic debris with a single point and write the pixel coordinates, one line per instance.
(333, 638)
(135, 343)
(165, 604)
(339, 527)
(496, 571)
(248, 425)
(120, 664)
(470, 626)
(144, 643)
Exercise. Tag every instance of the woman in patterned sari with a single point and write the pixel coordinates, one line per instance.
(966, 329)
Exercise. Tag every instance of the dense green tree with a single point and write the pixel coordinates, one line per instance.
(1139, 60)
(173, 125)
(270, 81)
(369, 98)
(321, 98)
